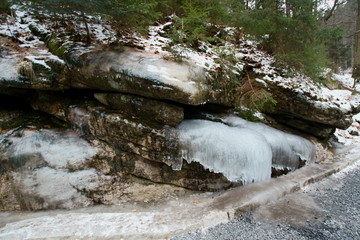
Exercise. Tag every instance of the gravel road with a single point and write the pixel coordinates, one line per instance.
(329, 209)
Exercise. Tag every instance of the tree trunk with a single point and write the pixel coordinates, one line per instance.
(356, 66)
(287, 8)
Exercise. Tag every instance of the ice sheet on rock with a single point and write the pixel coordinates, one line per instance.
(56, 188)
(58, 149)
(8, 69)
(184, 76)
(287, 149)
(241, 155)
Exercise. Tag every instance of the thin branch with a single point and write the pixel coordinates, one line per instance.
(336, 4)
(355, 33)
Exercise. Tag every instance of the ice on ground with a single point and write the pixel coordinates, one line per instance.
(240, 154)
(58, 149)
(287, 149)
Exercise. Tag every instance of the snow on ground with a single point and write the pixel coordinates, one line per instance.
(344, 78)
(350, 136)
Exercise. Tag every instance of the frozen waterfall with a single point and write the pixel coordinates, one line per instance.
(242, 155)
(287, 149)
(242, 151)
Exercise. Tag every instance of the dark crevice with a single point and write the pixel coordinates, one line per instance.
(199, 112)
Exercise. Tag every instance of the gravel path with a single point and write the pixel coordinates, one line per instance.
(329, 209)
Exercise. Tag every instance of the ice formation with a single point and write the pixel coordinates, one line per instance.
(242, 151)
(287, 149)
(58, 188)
(57, 149)
(240, 154)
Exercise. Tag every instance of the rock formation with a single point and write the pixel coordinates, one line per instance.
(91, 117)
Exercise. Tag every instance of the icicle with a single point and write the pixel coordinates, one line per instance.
(241, 155)
(287, 149)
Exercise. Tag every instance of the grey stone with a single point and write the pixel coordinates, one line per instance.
(137, 72)
(143, 108)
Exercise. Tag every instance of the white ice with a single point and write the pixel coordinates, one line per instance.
(240, 154)
(242, 151)
(287, 149)
(8, 69)
(58, 149)
(57, 187)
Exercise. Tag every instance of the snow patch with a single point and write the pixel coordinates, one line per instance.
(352, 134)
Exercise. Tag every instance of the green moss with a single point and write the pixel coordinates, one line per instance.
(247, 114)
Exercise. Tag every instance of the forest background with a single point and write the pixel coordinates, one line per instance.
(304, 35)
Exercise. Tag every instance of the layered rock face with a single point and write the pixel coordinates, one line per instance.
(123, 112)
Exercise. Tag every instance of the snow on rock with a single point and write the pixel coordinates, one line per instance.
(57, 149)
(138, 72)
(241, 155)
(141, 64)
(319, 95)
(246, 51)
(50, 169)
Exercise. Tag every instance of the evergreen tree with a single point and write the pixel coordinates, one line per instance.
(127, 13)
(289, 29)
(4, 6)
(291, 32)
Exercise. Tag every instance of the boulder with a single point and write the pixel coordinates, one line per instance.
(192, 176)
(317, 117)
(147, 109)
(145, 150)
(30, 68)
(134, 71)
